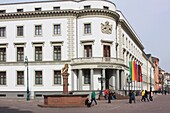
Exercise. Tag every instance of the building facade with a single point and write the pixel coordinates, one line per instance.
(91, 36)
(166, 81)
(156, 74)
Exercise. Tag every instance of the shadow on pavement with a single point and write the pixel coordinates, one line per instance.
(12, 110)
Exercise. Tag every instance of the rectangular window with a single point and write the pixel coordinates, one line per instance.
(2, 54)
(38, 53)
(38, 30)
(87, 28)
(86, 74)
(57, 29)
(2, 11)
(126, 42)
(106, 51)
(123, 40)
(87, 7)
(57, 77)
(2, 31)
(2, 78)
(87, 51)
(56, 8)
(20, 77)
(20, 54)
(20, 10)
(57, 52)
(38, 9)
(105, 7)
(20, 31)
(38, 77)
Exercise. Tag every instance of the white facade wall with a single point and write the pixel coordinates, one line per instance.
(96, 35)
(29, 37)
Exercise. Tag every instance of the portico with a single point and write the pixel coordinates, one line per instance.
(86, 77)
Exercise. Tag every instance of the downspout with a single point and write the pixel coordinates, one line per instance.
(76, 35)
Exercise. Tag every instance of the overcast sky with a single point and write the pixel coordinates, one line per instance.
(150, 20)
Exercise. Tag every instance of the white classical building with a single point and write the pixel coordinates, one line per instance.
(91, 36)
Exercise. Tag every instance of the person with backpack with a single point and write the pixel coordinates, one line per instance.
(87, 102)
(133, 96)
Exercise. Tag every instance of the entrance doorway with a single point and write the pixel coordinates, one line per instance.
(108, 81)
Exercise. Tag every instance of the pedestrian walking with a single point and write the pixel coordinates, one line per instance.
(151, 96)
(133, 96)
(146, 96)
(109, 96)
(130, 96)
(113, 96)
(93, 97)
(106, 94)
(143, 96)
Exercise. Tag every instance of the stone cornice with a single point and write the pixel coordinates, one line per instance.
(52, 13)
(48, 1)
(87, 41)
(131, 34)
(99, 12)
(35, 63)
(107, 41)
(35, 14)
(3, 44)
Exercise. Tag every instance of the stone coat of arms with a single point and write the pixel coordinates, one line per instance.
(106, 28)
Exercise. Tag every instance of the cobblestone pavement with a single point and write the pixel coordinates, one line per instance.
(159, 105)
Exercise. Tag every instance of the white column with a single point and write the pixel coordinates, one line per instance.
(91, 80)
(80, 79)
(72, 80)
(122, 80)
(104, 76)
(117, 80)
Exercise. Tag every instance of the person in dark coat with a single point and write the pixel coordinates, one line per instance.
(130, 96)
(87, 102)
(109, 96)
(146, 95)
(151, 96)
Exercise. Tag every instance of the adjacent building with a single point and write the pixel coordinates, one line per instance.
(92, 36)
(157, 82)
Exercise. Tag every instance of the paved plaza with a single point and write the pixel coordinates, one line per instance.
(159, 105)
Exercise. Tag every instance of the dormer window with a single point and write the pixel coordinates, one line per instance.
(2, 11)
(56, 8)
(87, 7)
(105, 7)
(20, 10)
(38, 9)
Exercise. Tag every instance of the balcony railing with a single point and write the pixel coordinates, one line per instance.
(97, 60)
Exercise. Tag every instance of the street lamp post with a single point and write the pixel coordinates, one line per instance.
(28, 92)
(150, 81)
(162, 83)
(101, 79)
(128, 81)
